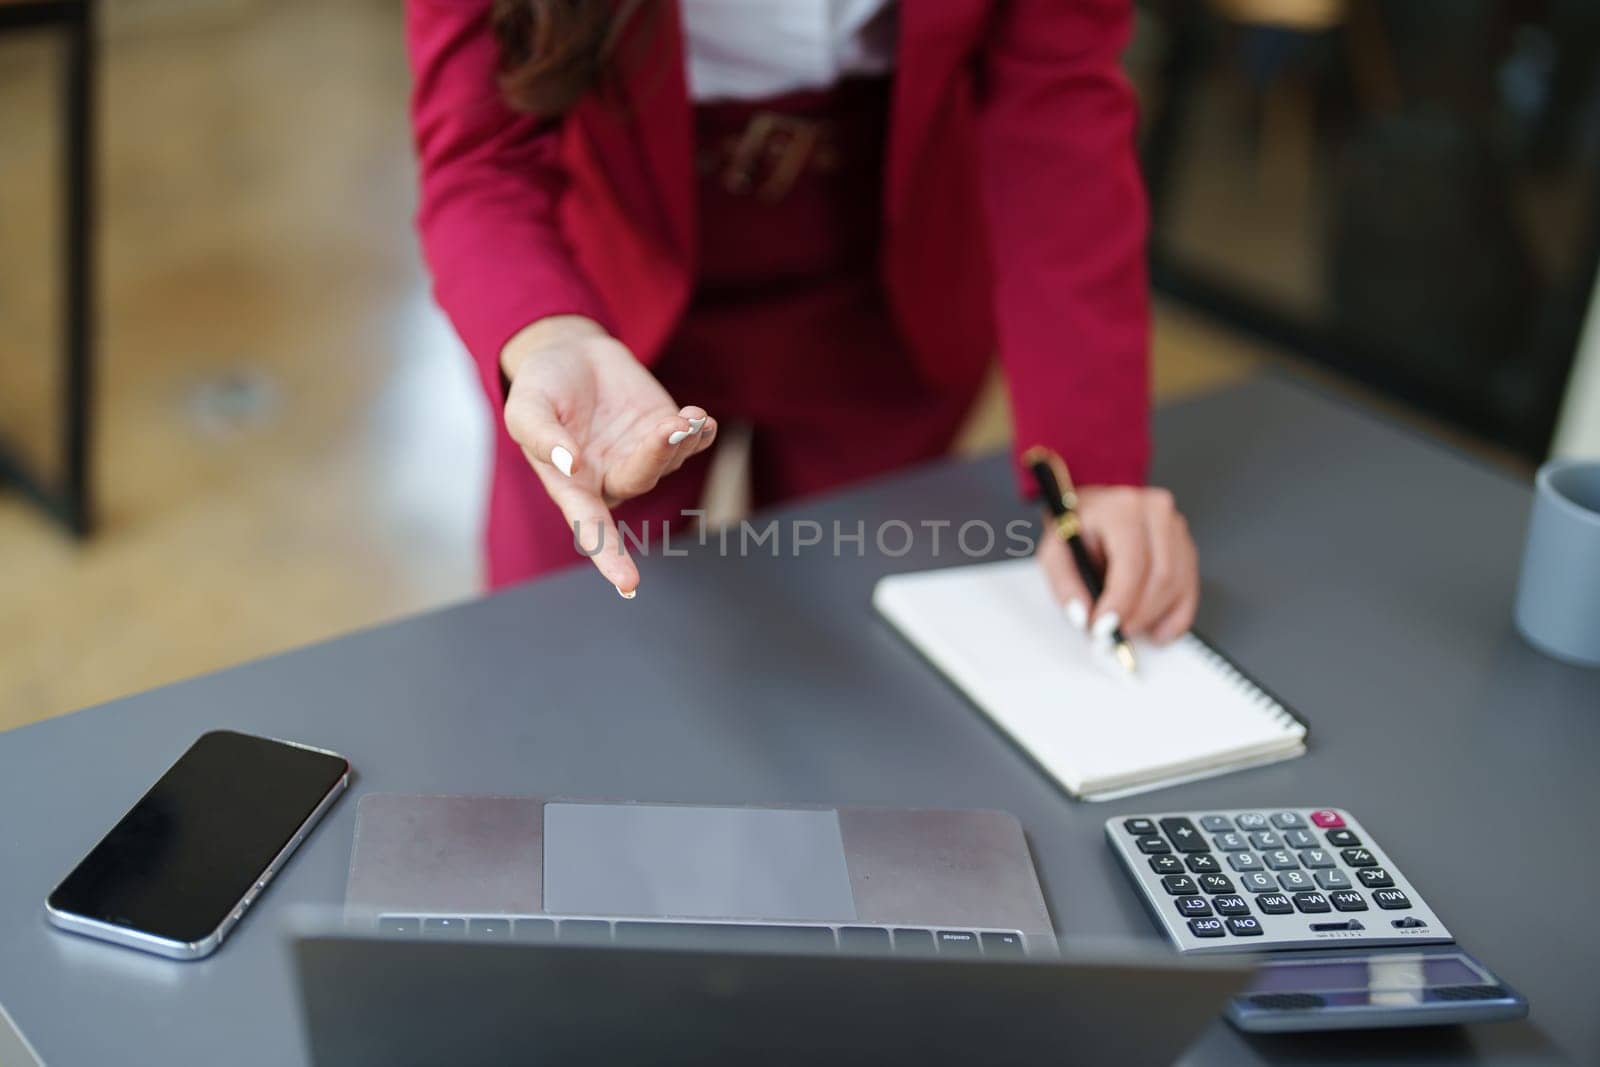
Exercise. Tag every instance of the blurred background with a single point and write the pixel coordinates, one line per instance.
(231, 421)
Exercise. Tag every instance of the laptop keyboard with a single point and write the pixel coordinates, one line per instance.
(854, 939)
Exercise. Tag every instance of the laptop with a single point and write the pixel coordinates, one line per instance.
(538, 869)
(398, 1000)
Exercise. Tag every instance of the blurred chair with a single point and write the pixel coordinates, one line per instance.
(71, 498)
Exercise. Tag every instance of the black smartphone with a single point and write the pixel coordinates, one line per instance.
(178, 871)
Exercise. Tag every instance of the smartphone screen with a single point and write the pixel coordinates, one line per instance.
(177, 865)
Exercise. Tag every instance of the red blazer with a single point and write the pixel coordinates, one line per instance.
(1014, 214)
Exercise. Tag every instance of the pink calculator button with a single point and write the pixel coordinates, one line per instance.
(1327, 819)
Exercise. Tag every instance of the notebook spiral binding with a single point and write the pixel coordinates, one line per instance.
(1252, 689)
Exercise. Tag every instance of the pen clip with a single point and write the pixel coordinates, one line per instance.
(1058, 467)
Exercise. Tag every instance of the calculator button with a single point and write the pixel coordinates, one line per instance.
(1244, 861)
(1230, 904)
(1288, 820)
(1296, 880)
(1215, 823)
(1202, 863)
(1192, 906)
(1206, 927)
(1229, 842)
(1315, 857)
(1348, 900)
(1215, 883)
(1343, 838)
(1333, 878)
(1327, 819)
(1257, 882)
(1311, 902)
(1179, 885)
(1140, 827)
(1183, 835)
(1266, 839)
(1280, 860)
(1359, 857)
(1299, 839)
(1389, 899)
(1152, 844)
(1251, 821)
(1245, 926)
(443, 927)
(1274, 904)
(1167, 864)
(1374, 877)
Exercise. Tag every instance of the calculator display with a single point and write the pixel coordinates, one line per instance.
(1377, 979)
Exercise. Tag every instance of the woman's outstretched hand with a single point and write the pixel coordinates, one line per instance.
(1152, 573)
(596, 427)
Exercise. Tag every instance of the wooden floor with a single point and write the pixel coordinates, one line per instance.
(291, 443)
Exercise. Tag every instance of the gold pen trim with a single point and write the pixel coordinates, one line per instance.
(1058, 467)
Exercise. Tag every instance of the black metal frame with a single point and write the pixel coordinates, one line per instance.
(72, 501)
(1234, 305)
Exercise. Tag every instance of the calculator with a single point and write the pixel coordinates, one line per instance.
(1253, 881)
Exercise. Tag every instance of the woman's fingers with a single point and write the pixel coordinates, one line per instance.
(1152, 574)
(594, 532)
(1126, 545)
(693, 446)
(1165, 571)
(699, 441)
(597, 428)
(691, 421)
(696, 441)
(1172, 587)
(1180, 616)
(532, 422)
(637, 471)
(1066, 584)
(659, 450)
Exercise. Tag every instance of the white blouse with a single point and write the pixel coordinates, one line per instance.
(750, 49)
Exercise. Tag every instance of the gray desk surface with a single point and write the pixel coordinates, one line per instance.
(1364, 574)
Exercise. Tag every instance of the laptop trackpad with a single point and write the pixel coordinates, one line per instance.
(659, 860)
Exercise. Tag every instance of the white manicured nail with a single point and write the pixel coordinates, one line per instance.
(1078, 613)
(1105, 624)
(628, 595)
(562, 460)
(695, 424)
(677, 437)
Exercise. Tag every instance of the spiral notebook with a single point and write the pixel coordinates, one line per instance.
(995, 632)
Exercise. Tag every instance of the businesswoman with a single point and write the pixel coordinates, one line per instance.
(650, 218)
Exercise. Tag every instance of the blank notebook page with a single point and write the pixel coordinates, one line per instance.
(995, 632)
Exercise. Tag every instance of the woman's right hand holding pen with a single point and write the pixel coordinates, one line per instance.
(597, 428)
(1140, 542)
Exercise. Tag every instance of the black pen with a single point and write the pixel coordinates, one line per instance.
(1055, 488)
